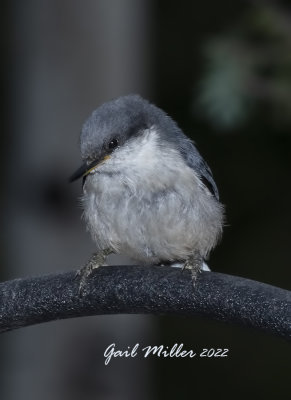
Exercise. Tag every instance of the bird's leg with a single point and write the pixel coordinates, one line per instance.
(96, 261)
(194, 264)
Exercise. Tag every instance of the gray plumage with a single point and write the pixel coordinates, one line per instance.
(154, 199)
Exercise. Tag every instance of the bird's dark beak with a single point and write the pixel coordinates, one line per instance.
(79, 173)
(85, 169)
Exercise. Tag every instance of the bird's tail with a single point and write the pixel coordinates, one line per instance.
(180, 265)
(205, 267)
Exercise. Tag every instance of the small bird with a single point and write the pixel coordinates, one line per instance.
(147, 192)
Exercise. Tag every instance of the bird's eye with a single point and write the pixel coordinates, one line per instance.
(113, 144)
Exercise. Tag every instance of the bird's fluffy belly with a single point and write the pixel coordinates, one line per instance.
(151, 226)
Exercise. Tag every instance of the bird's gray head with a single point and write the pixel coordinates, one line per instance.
(131, 132)
(120, 122)
(112, 124)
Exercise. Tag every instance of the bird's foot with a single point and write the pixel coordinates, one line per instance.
(194, 263)
(96, 261)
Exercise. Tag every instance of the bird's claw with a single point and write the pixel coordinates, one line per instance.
(96, 261)
(194, 264)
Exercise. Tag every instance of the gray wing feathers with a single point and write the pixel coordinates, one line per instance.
(195, 160)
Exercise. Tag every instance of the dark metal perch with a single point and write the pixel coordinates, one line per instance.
(145, 290)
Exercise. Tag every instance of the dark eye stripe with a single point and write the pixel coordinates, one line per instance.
(113, 144)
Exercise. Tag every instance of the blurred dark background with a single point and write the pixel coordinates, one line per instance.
(223, 71)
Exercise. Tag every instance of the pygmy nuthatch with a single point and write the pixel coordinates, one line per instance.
(148, 193)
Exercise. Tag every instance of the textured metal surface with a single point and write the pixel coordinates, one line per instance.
(146, 290)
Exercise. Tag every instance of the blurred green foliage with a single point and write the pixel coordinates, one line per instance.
(248, 67)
